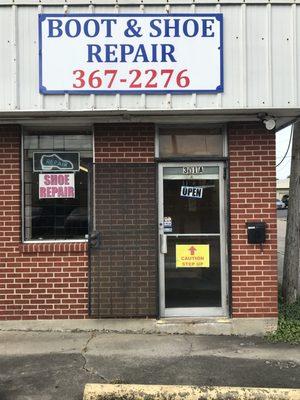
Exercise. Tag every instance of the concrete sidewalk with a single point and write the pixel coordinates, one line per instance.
(54, 365)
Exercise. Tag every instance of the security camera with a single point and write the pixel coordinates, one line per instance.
(268, 120)
(270, 123)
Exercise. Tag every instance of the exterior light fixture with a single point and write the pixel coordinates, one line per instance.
(268, 121)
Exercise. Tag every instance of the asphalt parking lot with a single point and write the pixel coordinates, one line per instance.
(56, 365)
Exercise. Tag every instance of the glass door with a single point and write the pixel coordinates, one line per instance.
(193, 271)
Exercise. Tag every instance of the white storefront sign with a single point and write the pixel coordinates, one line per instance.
(56, 186)
(140, 53)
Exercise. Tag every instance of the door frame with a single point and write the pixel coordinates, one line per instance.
(196, 311)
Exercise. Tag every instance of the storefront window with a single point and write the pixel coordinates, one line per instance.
(55, 179)
(187, 141)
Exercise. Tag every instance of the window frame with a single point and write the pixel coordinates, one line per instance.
(223, 130)
(49, 130)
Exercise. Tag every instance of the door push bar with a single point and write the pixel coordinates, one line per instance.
(163, 244)
(94, 240)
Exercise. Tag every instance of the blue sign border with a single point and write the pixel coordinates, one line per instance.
(43, 89)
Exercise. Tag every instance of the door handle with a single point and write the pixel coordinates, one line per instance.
(163, 244)
(94, 240)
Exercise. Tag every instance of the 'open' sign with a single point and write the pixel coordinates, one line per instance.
(191, 191)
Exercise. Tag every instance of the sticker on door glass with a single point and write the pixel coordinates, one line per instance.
(192, 170)
(194, 192)
(168, 225)
(192, 256)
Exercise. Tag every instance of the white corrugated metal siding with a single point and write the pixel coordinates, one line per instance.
(261, 57)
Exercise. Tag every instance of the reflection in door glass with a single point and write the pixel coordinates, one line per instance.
(192, 226)
(188, 211)
(193, 286)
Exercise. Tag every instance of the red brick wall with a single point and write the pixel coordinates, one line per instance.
(42, 281)
(252, 198)
(124, 282)
(50, 280)
(124, 143)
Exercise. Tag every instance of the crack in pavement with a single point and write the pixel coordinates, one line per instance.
(190, 343)
(85, 361)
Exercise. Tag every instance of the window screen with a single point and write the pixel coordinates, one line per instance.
(55, 183)
(185, 141)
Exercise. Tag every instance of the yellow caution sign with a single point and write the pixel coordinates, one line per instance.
(192, 256)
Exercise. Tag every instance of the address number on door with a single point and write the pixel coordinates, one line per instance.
(192, 170)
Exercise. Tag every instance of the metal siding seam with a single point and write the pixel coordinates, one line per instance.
(143, 95)
(294, 89)
(168, 101)
(219, 95)
(118, 101)
(194, 95)
(41, 96)
(269, 55)
(67, 101)
(168, 95)
(92, 95)
(136, 2)
(143, 101)
(147, 2)
(15, 74)
(117, 96)
(67, 96)
(6, 101)
(243, 44)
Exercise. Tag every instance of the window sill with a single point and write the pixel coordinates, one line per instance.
(59, 247)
